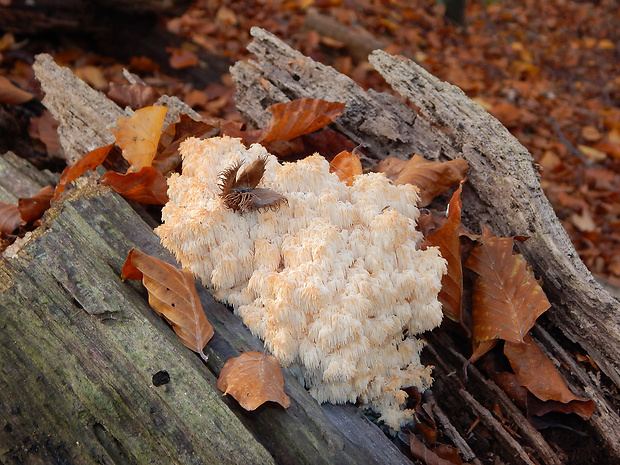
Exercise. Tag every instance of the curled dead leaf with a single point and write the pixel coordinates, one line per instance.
(172, 294)
(252, 379)
(433, 178)
(138, 135)
(89, 161)
(447, 239)
(346, 165)
(145, 186)
(536, 372)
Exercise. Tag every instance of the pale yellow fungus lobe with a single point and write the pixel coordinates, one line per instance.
(332, 280)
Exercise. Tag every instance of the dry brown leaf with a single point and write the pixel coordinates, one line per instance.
(169, 158)
(346, 165)
(10, 218)
(536, 372)
(145, 186)
(11, 94)
(299, 117)
(432, 177)
(391, 166)
(420, 451)
(32, 208)
(181, 58)
(138, 135)
(90, 161)
(447, 239)
(252, 379)
(506, 300)
(134, 96)
(172, 294)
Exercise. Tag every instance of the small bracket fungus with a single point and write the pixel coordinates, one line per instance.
(332, 280)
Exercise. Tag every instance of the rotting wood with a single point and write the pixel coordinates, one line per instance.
(117, 343)
(504, 189)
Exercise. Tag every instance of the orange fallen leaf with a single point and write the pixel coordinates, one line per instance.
(447, 239)
(181, 58)
(506, 300)
(172, 294)
(346, 165)
(45, 128)
(536, 372)
(169, 158)
(432, 177)
(252, 379)
(90, 161)
(299, 117)
(138, 135)
(11, 94)
(32, 208)
(10, 218)
(391, 166)
(145, 186)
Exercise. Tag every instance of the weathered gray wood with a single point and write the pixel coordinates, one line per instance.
(78, 350)
(508, 196)
(449, 126)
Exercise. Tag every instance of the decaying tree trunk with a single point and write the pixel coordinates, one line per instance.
(503, 188)
(79, 349)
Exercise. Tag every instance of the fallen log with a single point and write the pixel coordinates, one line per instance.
(503, 188)
(83, 355)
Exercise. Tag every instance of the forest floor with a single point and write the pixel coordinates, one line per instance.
(548, 71)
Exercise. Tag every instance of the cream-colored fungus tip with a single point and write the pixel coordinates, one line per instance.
(332, 278)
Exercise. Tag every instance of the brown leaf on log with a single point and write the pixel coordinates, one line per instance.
(433, 178)
(32, 208)
(169, 158)
(145, 186)
(172, 294)
(346, 165)
(506, 300)
(290, 120)
(447, 239)
(90, 161)
(10, 219)
(536, 372)
(138, 135)
(252, 379)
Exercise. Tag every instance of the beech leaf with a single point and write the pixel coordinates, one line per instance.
(138, 135)
(506, 299)
(32, 208)
(536, 372)
(346, 165)
(420, 451)
(391, 166)
(447, 239)
(145, 186)
(10, 218)
(172, 294)
(10, 94)
(433, 178)
(134, 96)
(89, 161)
(298, 117)
(252, 379)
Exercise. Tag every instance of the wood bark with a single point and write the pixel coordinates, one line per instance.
(79, 348)
(503, 189)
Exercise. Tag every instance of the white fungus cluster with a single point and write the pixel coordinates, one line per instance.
(333, 280)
